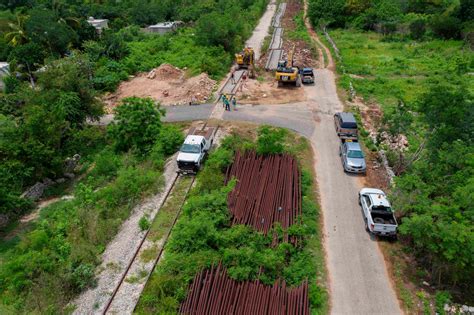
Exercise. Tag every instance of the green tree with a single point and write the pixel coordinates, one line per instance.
(68, 81)
(26, 59)
(43, 28)
(446, 26)
(271, 140)
(448, 111)
(137, 124)
(327, 12)
(115, 47)
(216, 29)
(17, 35)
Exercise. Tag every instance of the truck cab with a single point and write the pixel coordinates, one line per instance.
(194, 150)
(346, 126)
(307, 75)
(378, 213)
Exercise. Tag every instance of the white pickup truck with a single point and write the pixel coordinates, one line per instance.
(194, 149)
(379, 218)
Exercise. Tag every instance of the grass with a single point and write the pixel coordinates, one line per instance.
(167, 213)
(384, 71)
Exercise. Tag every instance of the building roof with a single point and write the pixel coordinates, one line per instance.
(97, 23)
(162, 25)
(4, 67)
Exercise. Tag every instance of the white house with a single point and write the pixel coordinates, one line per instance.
(165, 27)
(98, 24)
(4, 71)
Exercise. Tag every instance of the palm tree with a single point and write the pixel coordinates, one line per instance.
(61, 13)
(17, 35)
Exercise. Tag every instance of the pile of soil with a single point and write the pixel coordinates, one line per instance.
(166, 84)
(267, 92)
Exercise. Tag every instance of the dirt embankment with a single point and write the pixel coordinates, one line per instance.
(303, 56)
(166, 84)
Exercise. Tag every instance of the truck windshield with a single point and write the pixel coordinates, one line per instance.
(354, 154)
(190, 148)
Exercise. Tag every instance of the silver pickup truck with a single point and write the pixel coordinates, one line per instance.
(379, 218)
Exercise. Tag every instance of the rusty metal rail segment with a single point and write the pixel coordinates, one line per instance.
(135, 255)
(213, 292)
(268, 190)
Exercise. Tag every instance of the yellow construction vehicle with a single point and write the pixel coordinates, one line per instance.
(245, 60)
(286, 72)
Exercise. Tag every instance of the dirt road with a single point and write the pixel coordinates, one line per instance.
(259, 33)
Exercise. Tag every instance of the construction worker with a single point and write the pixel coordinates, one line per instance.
(234, 103)
(232, 77)
(227, 104)
(224, 98)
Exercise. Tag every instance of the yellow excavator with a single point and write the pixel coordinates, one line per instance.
(286, 72)
(245, 60)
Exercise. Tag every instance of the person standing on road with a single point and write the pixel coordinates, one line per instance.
(234, 103)
(224, 98)
(227, 105)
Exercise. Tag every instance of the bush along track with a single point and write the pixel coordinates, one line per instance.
(56, 259)
(205, 236)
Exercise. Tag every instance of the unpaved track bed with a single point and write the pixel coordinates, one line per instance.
(142, 266)
(121, 249)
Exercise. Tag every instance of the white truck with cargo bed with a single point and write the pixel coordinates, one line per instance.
(196, 145)
(379, 217)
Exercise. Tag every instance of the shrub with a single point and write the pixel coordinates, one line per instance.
(137, 124)
(446, 26)
(170, 139)
(144, 224)
(12, 84)
(271, 140)
(417, 28)
(83, 277)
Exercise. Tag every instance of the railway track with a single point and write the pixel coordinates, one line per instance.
(136, 256)
(176, 181)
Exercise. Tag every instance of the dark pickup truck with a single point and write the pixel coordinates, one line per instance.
(307, 75)
(346, 126)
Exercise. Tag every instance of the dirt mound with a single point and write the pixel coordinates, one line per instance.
(166, 84)
(266, 91)
(168, 72)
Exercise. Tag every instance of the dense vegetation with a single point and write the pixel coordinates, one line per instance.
(56, 258)
(60, 65)
(204, 235)
(419, 71)
(417, 18)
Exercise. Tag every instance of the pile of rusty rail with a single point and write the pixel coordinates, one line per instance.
(268, 190)
(213, 292)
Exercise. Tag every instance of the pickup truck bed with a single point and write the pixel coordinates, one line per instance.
(379, 217)
(207, 133)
